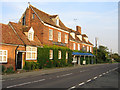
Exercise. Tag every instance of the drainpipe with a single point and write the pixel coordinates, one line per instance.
(16, 57)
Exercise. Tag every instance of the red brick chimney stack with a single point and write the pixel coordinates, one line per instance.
(78, 28)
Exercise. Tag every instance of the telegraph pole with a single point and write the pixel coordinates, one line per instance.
(96, 47)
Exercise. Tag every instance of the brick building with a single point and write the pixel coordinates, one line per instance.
(36, 29)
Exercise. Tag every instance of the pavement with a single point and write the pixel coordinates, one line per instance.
(42, 72)
(88, 76)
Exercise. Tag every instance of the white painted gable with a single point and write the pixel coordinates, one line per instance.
(31, 30)
(72, 34)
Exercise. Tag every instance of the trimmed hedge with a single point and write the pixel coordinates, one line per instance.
(45, 62)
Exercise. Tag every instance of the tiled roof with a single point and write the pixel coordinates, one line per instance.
(84, 35)
(46, 18)
(19, 29)
(8, 36)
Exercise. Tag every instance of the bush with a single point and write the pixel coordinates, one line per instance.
(31, 65)
(3, 68)
(10, 70)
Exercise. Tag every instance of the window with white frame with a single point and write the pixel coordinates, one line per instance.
(74, 46)
(31, 53)
(78, 46)
(31, 34)
(3, 56)
(59, 36)
(87, 48)
(66, 55)
(59, 54)
(50, 34)
(90, 49)
(66, 38)
(57, 22)
(51, 54)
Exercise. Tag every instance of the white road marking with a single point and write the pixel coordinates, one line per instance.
(107, 72)
(89, 80)
(104, 73)
(73, 87)
(66, 74)
(58, 76)
(25, 83)
(81, 83)
(100, 75)
(94, 77)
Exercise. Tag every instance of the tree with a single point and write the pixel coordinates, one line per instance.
(102, 54)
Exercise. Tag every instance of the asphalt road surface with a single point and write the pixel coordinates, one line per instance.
(69, 79)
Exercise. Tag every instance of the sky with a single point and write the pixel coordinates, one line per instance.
(97, 19)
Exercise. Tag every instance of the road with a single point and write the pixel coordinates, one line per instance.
(69, 79)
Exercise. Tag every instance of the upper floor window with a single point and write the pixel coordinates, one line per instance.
(33, 15)
(74, 46)
(78, 46)
(66, 38)
(3, 56)
(31, 34)
(59, 36)
(31, 53)
(57, 22)
(51, 54)
(50, 34)
(59, 54)
(23, 20)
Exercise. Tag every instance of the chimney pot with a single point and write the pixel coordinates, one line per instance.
(78, 28)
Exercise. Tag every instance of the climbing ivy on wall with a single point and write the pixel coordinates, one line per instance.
(43, 55)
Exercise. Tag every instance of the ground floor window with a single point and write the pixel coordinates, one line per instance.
(3, 56)
(59, 54)
(66, 55)
(31, 53)
(51, 54)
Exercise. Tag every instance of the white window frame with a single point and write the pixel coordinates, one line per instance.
(59, 36)
(57, 22)
(51, 52)
(87, 48)
(31, 52)
(90, 49)
(66, 55)
(50, 37)
(59, 54)
(29, 36)
(3, 56)
(74, 46)
(79, 47)
(66, 38)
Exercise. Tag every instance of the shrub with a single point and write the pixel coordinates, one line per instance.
(10, 70)
(3, 68)
(31, 65)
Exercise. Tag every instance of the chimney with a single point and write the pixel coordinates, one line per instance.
(78, 28)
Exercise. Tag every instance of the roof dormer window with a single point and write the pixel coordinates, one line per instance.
(31, 34)
(72, 34)
(57, 22)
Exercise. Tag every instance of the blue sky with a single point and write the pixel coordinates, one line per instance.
(97, 19)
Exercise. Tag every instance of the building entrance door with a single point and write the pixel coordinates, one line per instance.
(19, 60)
